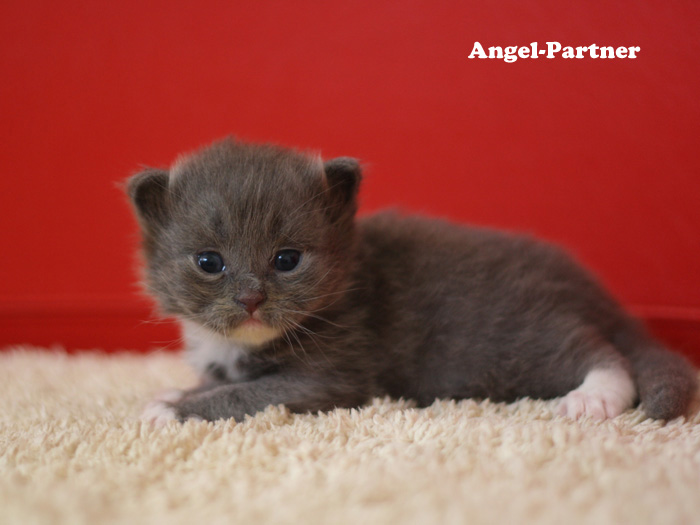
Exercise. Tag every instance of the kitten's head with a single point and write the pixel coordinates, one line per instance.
(247, 240)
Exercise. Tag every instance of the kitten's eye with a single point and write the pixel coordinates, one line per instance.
(210, 262)
(287, 260)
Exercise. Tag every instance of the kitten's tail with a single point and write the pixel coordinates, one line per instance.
(666, 382)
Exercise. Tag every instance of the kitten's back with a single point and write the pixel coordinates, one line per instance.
(492, 314)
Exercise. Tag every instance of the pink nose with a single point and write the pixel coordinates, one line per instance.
(250, 300)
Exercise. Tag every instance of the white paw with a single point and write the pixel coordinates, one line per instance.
(578, 404)
(605, 393)
(158, 413)
(170, 396)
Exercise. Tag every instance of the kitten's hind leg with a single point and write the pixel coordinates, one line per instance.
(606, 392)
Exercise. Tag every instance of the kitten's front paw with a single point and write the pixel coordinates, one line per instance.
(164, 408)
(158, 413)
(170, 396)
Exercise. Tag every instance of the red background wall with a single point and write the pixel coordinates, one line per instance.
(599, 155)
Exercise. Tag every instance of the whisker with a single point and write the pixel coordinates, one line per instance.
(314, 316)
(311, 334)
(301, 346)
(291, 346)
(330, 269)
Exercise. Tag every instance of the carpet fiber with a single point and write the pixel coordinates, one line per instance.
(73, 451)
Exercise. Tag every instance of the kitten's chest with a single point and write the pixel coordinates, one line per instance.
(221, 359)
(215, 359)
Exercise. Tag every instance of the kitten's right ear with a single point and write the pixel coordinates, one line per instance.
(148, 192)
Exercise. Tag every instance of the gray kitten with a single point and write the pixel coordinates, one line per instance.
(286, 298)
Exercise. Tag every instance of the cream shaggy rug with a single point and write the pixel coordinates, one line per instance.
(72, 451)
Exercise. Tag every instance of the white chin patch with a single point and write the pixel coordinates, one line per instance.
(254, 334)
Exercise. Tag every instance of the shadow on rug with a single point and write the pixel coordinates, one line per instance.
(73, 451)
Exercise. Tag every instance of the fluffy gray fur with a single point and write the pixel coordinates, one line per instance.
(385, 305)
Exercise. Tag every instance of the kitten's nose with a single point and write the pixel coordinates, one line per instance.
(250, 299)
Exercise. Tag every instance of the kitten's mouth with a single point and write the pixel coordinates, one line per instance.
(253, 332)
(252, 322)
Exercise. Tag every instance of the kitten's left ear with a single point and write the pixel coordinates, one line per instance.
(343, 175)
(148, 192)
